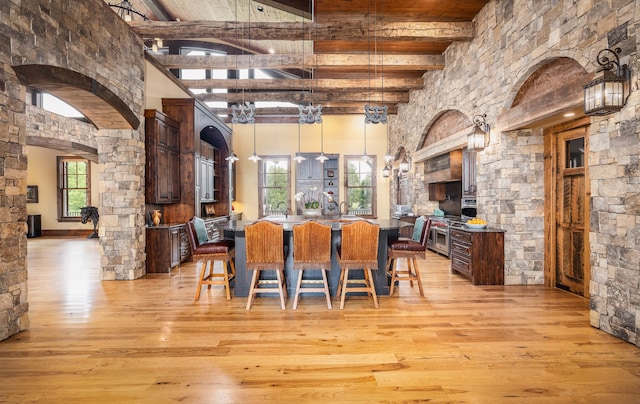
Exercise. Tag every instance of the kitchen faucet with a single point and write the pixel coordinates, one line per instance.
(286, 211)
(340, 207)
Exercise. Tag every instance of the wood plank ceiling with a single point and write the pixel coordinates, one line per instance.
(356, 52)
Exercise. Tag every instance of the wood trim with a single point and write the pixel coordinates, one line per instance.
(550, 177)
(67, 233)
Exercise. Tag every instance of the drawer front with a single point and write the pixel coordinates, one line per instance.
(460, 248)
(460, 264)
(461, 236)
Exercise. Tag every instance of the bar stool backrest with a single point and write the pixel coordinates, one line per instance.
(360, 242)
(264, 245)
(312, 246)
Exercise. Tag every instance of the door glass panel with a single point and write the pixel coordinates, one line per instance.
(575, 153)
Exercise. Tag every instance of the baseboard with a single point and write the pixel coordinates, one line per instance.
(67, 233)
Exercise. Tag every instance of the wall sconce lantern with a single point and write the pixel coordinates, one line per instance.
(405, 164)
(609, 91)
(477, 139)
(386, 171)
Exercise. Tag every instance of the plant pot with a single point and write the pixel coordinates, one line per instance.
(311, 213)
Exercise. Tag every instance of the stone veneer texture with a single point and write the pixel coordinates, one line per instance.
(513, 39)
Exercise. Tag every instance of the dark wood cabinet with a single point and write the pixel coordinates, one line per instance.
(478, 255)
(209, 183)
(166, 247)
(438, 192)
(162, 171)
(204, 139)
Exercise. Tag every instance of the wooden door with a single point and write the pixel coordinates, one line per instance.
(572, 211)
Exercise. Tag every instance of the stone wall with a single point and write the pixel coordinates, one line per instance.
(88, 38)
(513, 39)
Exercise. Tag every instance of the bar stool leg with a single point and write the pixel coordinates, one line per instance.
(299, 284)
(415, 266)
(393, 264)
(343, 285)
(372, 287)
(326, 287)
(202, 277)
(283, 293)
(252, 293)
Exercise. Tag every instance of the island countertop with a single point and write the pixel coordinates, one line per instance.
(336, 223)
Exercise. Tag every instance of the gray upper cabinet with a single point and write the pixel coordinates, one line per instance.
(468, 174)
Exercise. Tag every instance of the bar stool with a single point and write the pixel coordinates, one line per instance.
(358, 249)
(312, 251)
(411, 249)
(210, 252)
(265, 251)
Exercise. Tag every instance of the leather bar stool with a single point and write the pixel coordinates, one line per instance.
(358, 249)
(411, 249)
(312, 251)
(208, 252)
(265, 252)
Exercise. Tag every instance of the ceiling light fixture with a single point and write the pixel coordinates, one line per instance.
(310, 113)
(609, 91)
(299, 157)
(254, 157)
(375, 113)
(126, 11)
(243, 112)
(322, 158)
(477, 138)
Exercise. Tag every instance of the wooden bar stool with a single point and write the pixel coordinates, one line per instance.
(411, 249)
(208, 252)
(358, 249)
(265, 251)
(312, 251)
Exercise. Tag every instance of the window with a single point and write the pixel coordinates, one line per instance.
(74, 185)
(360, 185)
(274, 185)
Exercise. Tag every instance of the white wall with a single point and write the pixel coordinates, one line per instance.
(343, 135)
(42, 172)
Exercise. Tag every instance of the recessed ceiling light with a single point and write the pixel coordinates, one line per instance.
(569, 114)
(260, 8)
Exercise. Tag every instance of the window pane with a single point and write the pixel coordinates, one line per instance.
(74, 184)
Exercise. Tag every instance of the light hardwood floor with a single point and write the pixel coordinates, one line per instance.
(148, 341)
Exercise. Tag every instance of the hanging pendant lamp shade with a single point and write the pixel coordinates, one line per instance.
(299, 158)
(322, 158)
(254, 157)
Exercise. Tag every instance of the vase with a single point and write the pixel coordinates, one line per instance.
(311, 213)
(155, 216)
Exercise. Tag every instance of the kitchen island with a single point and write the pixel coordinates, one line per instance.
(234, 229)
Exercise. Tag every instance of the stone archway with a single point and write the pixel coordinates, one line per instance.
(550, 94)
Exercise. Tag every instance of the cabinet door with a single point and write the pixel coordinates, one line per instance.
(469, 173)
(309, 169)
(175, 244)
(174, 176)
(163, 176)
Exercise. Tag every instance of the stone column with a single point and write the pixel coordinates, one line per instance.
(14, 316)
(121, 184)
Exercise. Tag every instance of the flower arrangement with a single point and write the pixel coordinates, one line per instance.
(309, 199)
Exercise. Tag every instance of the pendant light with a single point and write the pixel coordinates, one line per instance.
(254, 157)
(299, 158)
(322, 158)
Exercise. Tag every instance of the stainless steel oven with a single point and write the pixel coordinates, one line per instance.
(439, 236)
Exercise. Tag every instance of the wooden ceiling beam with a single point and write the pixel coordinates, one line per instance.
(282, 111)
(293, 31)
(393, 84)
(295, 61)
(305, 97)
